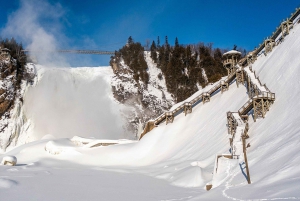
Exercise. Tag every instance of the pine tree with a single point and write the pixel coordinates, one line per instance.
(130, 40)
(158, 42)
(133, 56)
(161, 59)
(166, 41)
(176, 42)
(153, 52)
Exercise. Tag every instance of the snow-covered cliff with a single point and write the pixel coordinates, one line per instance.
(142, 101)
(12, 118)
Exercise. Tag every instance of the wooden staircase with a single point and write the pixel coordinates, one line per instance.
(260, 98)
(187, 107)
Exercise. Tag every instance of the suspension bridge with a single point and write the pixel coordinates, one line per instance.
(97, 52)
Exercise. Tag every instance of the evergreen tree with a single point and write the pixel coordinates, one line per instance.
(158, 42)
(153, 52)
(181, 66)
(130, 40)
(17, 53)
(176, 42)
(161, 59)
(166, 41)
(133, 56)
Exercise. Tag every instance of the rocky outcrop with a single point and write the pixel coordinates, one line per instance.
(142, 101)
(11, 98)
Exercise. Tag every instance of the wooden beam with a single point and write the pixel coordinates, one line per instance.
(246, 160)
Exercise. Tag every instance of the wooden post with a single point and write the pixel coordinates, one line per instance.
(267, 105)
(187, 108)
(269, 44)
(224, 86)
(285, 27)
(249, 87)
(239, 77)
(228, 71)
(205, 98)
(255, 109)
(263, 108)
(169, 117)
(260, 107)
(246, 160)
(244, 118)
(148, 127)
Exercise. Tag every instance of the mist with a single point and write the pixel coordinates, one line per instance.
(68, 102)
(39, 26)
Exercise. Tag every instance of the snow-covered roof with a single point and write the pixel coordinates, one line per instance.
(231, 52)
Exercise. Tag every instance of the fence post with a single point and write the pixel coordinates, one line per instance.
(246, 160)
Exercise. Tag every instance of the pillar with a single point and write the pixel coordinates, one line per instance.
(205, 98)
(169, 117)
(187, 108)
(239, 77)
(269, 44)
(285, 27)
(224, 86)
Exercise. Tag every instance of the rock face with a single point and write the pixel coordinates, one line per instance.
(11, 93)
(142, 101)
(7, 85)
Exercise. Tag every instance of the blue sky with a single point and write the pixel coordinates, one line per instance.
(106, 25)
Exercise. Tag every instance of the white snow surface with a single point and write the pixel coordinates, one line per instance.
(177, 155)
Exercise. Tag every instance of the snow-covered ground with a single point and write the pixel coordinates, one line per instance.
(175, 161)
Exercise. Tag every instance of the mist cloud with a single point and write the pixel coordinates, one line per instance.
(69, 102)
(38, 24)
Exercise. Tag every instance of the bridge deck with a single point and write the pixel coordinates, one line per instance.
(99, 52)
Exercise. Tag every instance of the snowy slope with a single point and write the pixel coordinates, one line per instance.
(181, 153)
(274, 153)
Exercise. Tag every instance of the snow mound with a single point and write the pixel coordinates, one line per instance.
(188, 177)
(59, 146)
(91, 142)
(9, 160)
